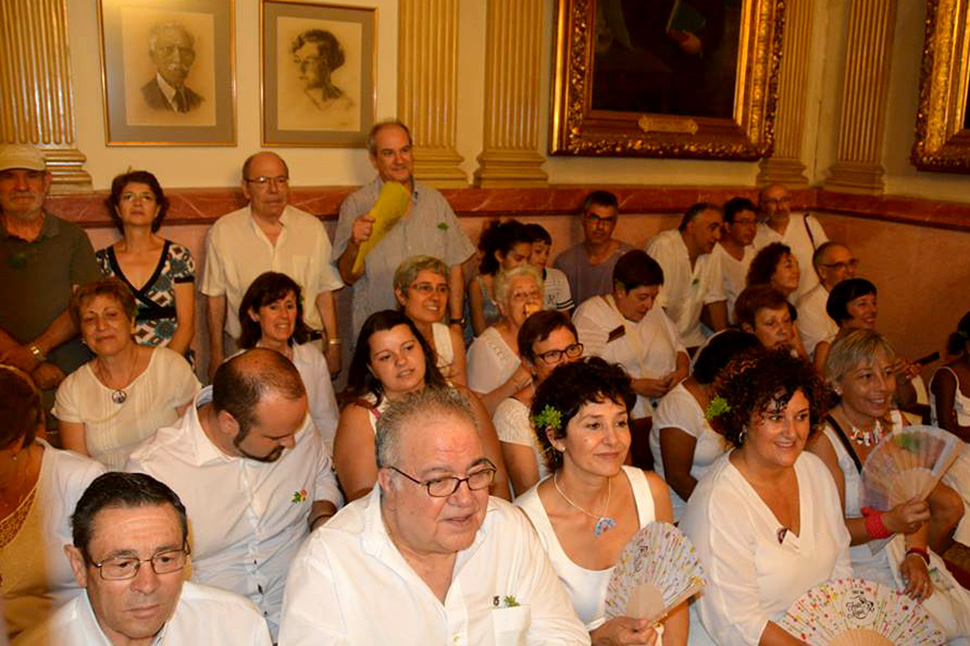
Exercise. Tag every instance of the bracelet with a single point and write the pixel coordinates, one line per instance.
(460, 321)
(34, 350)
(334, 341)
(875, 528)
(919, 551)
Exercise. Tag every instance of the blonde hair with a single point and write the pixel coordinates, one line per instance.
(852, 349)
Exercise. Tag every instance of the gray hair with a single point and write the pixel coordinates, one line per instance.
(165, 26)
(407, 272)
(380, 125)
(429, 402)
(853, 349)
(504, 278)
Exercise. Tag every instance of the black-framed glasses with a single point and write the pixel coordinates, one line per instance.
(848, 264)
(263, 181)
(120, 568)
(447, 485)
(553, 357)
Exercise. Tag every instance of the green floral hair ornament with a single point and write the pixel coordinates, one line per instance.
(549, 417)
(718, 406)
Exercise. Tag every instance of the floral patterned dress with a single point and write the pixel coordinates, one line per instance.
(155, 320)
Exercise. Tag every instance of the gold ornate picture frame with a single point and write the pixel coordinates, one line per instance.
(943, 118)
(633, 79)
(168, 73)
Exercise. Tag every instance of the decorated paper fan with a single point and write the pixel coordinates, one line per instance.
(391, 205)
(657, 570)
(856, 612)
(907, 464)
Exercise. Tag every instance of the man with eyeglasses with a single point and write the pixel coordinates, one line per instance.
(130, 553)
(427, 557)
(269, 234)
(833, 262)
(735, 251)
(800, 231)
(249, 463)
(589, 265)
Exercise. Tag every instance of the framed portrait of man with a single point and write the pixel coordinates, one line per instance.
(167, 71)
(666, 78)
(318, 73)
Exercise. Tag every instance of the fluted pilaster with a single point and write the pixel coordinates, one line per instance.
(427, 88)
(36, 99)
(512, 72)
(858, 167)
(785, 165)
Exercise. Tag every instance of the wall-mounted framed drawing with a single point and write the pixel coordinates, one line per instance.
(167, 72)
(666, 78)
(318, 80)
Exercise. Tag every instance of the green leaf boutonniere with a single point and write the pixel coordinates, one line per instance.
(443, 226)
(718, 406)
(299, 496)
(548, 418)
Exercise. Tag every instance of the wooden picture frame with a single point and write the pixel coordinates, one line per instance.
(168, 73)
(624, 89)
(943, 116)
(318, 80)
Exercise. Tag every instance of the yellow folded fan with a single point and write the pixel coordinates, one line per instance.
(390, 207)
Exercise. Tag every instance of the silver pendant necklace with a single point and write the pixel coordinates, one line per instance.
(604, 523)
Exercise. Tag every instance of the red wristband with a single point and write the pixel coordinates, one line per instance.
(921, 552)
(875, 528)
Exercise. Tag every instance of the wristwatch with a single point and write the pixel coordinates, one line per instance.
(460, 322)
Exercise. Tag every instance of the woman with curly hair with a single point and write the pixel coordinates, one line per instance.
(592, 505)
(775, 265)
(766, 518)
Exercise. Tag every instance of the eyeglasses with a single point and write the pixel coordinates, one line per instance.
(121, 568)
(553, 357)
(447, 485)
(427, 289)
(848, 264)
(263, 182)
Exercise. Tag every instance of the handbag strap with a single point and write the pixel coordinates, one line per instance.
(845, 441)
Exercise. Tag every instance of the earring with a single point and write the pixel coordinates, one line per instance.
(743, 436)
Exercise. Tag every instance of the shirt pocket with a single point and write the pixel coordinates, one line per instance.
(511, 625)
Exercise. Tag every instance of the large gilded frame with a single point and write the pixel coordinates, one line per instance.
(942, 138)
(577, 129)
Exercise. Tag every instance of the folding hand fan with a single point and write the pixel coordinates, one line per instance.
(657, 570)
(856, 612)
(391, 205)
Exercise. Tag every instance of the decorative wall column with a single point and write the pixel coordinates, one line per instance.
(36, 98)
(865, 87)
(513, 36)
(785, 165)
(428, 88)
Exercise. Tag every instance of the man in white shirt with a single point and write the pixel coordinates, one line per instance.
(735, 252)
(427, 557)
(251, 466)
(833, 262)
(268, 235)
(130, 536)
(800, 231)
(693, 289)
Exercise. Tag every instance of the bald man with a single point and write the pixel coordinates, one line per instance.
(833, 263)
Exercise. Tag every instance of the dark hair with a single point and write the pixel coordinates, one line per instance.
(837, 307)
(765, 262)
(538, 327)
(361, 381)
(115, 490)
(533, 232)
(600, 198)
(636, 269)
(118, 184)
(957, 342)
(570, 387)
(718, 352)
(499, 237)
(735, 205)
(758, 378)
(327, 44)
(111, 287)
(380, 125)
(696, 210)
(21, 410)
(241, 383)
(268, 288)
(755, 298)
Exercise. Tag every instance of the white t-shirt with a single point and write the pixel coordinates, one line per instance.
(513, 426)
(555, 291)
(735, 273)
(796, 236)
(112, 431)
(814, 323)
(490, 362)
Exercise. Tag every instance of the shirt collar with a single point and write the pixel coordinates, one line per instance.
(414, 190)
(166, 89)
(203, 451)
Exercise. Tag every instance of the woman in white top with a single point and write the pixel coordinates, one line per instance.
(859, 368)
(765, 519)
(682, 442)
(39, 487)
(391, 361)
(271, 316)
(547, 339)
(624, 327)
(592, 505)
(108, 406)
(495, 371)
(421, 288)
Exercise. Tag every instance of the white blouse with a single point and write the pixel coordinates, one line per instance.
(753, 577)
(513, 426)
(313, 369)
(490, 362)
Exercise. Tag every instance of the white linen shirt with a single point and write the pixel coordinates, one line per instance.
(735, 273)
(249, 518)
(203, 615)
(814, 323)
(350, 585)
(237, 252)
(686, 290)
(796, 236)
